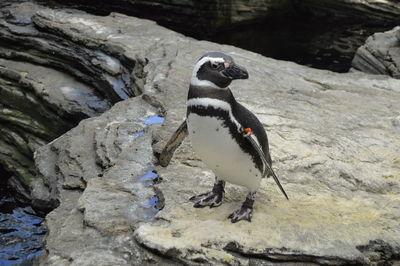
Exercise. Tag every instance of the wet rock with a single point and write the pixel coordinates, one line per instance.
(38, 104)
(50, 80)
(81, 58)
(96, 179)
(334, 145)
(380, 54)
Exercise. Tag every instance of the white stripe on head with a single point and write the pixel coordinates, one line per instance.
(205, 83)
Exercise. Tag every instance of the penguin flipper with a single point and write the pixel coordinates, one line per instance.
(268, 169)
(173, 143)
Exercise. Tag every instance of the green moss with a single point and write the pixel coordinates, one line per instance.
(388, 176)
(228, 259)
(20, 165)
(23, 109)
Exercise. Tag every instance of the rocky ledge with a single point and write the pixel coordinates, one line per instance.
(48, 83)
(334, 143)
(380, 54)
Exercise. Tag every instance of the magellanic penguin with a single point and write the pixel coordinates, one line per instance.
(219, 129)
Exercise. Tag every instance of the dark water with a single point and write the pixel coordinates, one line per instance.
(324, 42)
(21, 230)
(315, 42)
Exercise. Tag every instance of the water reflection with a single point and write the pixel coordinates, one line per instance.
(22, 233)
(149, 206)
(149, 178)
(154, 120)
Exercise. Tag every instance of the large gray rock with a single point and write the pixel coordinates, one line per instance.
(93, 171)
(27, 38)
(334, 143)
(380, 54)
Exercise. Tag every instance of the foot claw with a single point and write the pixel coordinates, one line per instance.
(199, 197)
(244, 213)
(210, 199)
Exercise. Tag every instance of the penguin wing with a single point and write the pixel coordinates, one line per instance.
(173, 143)
(248, 120)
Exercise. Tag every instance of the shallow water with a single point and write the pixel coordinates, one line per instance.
(22, 233)
(150, 206)
(21, 230)
(154, 120)
(149, 178)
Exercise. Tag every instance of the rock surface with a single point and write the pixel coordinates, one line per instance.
(380, 54)
(97, 183)
(48, 84)
(334, 143)
(38, 104)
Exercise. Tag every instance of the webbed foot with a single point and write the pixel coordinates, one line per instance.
(244, 213)
(212, 198)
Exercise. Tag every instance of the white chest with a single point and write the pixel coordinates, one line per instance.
(214, 145)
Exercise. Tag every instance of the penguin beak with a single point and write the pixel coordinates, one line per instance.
(235, 71)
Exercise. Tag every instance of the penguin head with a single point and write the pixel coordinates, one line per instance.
(216, 70)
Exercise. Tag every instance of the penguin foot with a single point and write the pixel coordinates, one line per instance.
(244, 213)
(211, 199)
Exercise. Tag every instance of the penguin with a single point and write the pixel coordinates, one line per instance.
(228, 138)
(215, 125)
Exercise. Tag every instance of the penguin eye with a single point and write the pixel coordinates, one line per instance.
(215, 65)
